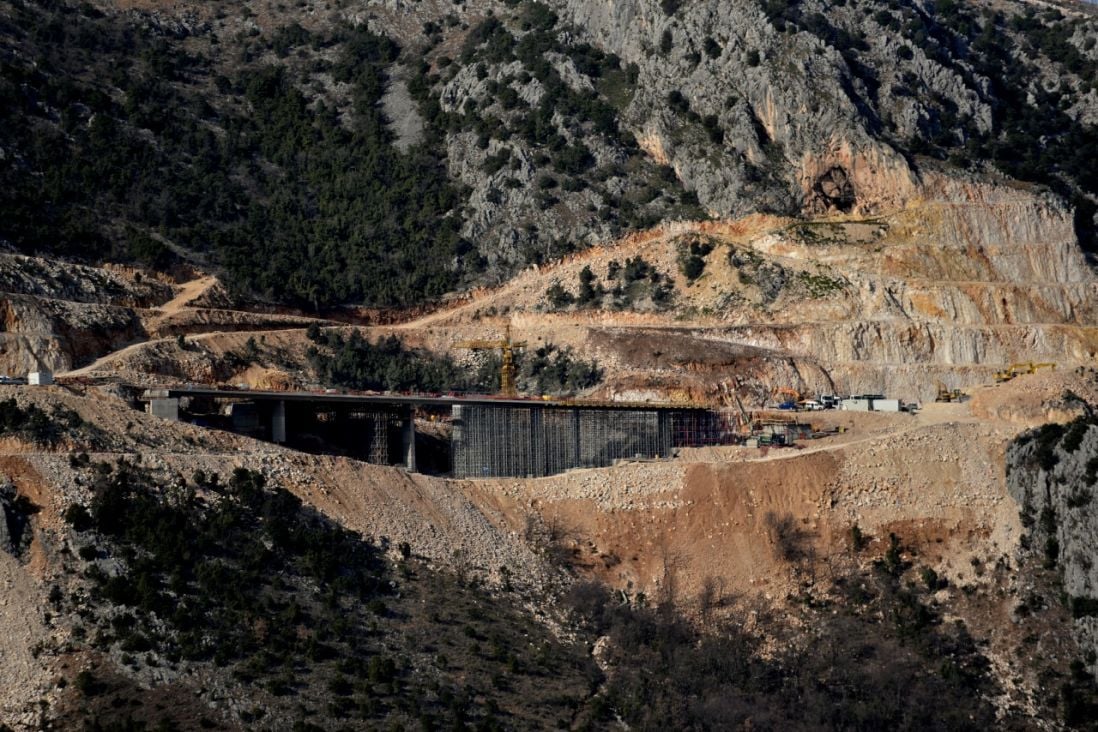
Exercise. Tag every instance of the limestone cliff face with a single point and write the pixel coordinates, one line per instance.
(59, 335)
(979, 277)
(1051, 473)
(57, 315)
(949, 289)
(752, 112)
(781, 98)
(112, 285)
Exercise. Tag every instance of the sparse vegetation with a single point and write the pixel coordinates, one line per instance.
(240, 576)
(692, 257)
(852, 672)
(552, 370)
(560, 129)
(635, 285)
(45, 428)
(387, 365)
(1033, 136)
(819, 285)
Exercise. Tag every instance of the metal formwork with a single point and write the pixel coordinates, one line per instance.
(511, 441)
(702, 428)
(491, 442)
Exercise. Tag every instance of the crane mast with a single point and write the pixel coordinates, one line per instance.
(506, 347)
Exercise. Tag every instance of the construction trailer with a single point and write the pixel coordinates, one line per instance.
(40, 378)
(779, 431)
(871, 403)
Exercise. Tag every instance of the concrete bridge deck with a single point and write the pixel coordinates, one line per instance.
(418, 400)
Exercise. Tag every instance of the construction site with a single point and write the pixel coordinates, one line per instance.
(881, 404)
(507, 435)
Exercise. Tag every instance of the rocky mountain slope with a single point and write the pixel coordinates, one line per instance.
(513, 132)
(688, 200)
(1052, 474)
(794, 541)
(60, 316)
(897, 303)
(903, 254)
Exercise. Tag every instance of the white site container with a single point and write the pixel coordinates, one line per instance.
(855, 405)
(886, 405)
(40, 378)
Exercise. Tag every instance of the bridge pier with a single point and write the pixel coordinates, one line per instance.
(278, 422)
(165, 408)
(457, 442)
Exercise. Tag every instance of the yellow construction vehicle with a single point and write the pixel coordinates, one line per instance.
(791, 403)
(1018, 369)
(506, 347)
(946, 394)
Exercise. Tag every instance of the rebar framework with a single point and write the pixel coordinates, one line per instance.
(703, 427)
(535, 441)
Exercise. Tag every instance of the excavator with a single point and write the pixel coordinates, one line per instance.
(791, 403)
(946, 394)
(506, 347)
(1018, 369)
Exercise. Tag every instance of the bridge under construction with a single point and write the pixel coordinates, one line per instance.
(489, 437)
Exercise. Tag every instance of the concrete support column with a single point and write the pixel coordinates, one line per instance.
(408, 438)
(278, 422)
(165, 408)
(663, 426)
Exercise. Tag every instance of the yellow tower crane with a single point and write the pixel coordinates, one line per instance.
(506, 347)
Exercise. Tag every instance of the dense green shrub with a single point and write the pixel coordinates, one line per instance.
(1046, 439)
(557, 297)
(387, 365)
(553, 370)
(384, 365)
(670, 7)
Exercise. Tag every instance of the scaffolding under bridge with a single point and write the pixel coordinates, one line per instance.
(534, 441)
